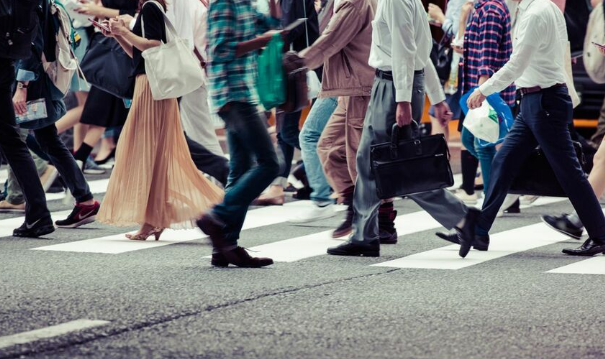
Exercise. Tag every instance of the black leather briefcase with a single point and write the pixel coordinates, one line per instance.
(408, 166)
(537, 178)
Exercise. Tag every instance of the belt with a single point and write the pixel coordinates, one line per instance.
(388, 75)
(529, 90)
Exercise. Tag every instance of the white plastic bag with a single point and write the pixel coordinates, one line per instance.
(483, 123)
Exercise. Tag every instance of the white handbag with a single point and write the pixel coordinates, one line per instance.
(172, 69)
(483, 123)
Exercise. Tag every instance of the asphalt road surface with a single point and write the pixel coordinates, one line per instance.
(90, 293)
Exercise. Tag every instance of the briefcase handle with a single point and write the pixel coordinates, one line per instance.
(395, 133)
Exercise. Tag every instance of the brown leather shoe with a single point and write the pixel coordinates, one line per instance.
(213, 227)
(271, 201)
(239, 257)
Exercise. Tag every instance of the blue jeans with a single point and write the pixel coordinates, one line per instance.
(485, 155)
(309, 137)
(249, 142)
(543, 121)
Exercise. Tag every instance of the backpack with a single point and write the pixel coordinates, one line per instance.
(594, 61)
(65, 64)
(18, 22)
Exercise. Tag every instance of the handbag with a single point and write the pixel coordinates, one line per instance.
(107, 67)
(505, 116)
(297, 91)
(270, 84)
(537, 178)
(403, 167)
(441, 56)
(172, 69)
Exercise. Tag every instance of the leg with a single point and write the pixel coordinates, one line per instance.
(287, 140)
(309, 137)
(208, 162)
(485, 155)
(248, 136)
(13, 190)
(93, 135)
(551, 112)
(16, 152)
(72, 117)
(197, 122)
(506, 165)
(598, 136)
(65, 163)
(356, 112)
(331, 150)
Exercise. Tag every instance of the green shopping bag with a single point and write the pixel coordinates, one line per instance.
(271, 83)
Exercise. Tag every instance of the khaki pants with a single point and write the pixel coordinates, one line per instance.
(337, 147)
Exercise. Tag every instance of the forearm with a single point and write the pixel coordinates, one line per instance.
(108, 13)
(139, 42)
(127, 46)
(245, 47)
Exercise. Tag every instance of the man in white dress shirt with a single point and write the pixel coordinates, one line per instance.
(401, 44)
(537, 66)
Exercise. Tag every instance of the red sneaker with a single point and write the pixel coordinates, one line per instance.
(81, 215)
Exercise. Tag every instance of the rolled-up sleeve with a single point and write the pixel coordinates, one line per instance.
(403, 46)
(221, 36)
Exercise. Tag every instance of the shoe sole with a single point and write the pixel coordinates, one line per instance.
(37, 233)
(574, 236)
(366, 254)
(11, 210)
(300, 221)
(79, 224)
(582, 254)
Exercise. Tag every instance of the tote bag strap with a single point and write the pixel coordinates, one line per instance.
(306, 21)
(169, 27)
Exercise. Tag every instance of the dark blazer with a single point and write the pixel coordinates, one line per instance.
(293, 10)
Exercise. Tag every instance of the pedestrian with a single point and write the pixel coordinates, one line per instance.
(154, 184)
(537, 66)
(16, 45)
(288, 131)
(401, 45)
(344, 48)
(33, 83)
(233, 29)
(190, 20)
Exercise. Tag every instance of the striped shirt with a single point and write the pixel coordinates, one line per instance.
(232, 78)
(487, 45)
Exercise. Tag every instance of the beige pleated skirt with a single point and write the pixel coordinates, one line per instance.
(154, 180)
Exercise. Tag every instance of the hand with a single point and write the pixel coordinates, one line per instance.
(267, 36)
(126, 18)
(475, 100)
(118, 27)
(90, 8)
(403, 116)
(19, 101)
(458, 49)
(443, 113)
(436, 13)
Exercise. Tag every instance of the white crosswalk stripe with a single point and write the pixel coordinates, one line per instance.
(312, 245)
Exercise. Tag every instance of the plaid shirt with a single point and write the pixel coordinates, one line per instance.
(232, 78)
(487, 45)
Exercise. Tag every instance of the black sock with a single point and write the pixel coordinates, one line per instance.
(469, 166)
(83, 152)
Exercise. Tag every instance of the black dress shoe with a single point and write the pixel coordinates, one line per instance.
(590, 248)
(35, 229)
(481, 242)
(356, 249)
(563, 225)
(240, 258)
(466, 234)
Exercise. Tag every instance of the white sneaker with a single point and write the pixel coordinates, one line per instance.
(315, 213)
(470, 199)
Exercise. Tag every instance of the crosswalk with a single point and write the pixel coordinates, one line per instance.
(300, 248)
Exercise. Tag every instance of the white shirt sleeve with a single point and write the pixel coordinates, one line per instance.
(403, 46)
(432, 85)
(527, 43)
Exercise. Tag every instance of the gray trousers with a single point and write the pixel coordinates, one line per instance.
(14, 193)
(446, 208)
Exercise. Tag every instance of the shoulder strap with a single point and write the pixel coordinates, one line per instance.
(306, 21)
(169, 26)
(205, 3)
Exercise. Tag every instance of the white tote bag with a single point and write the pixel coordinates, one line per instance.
(483, 123)
(172, 69)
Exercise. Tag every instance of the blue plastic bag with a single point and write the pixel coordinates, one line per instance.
(505, 115)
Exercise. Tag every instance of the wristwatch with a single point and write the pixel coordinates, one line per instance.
(21, 85)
